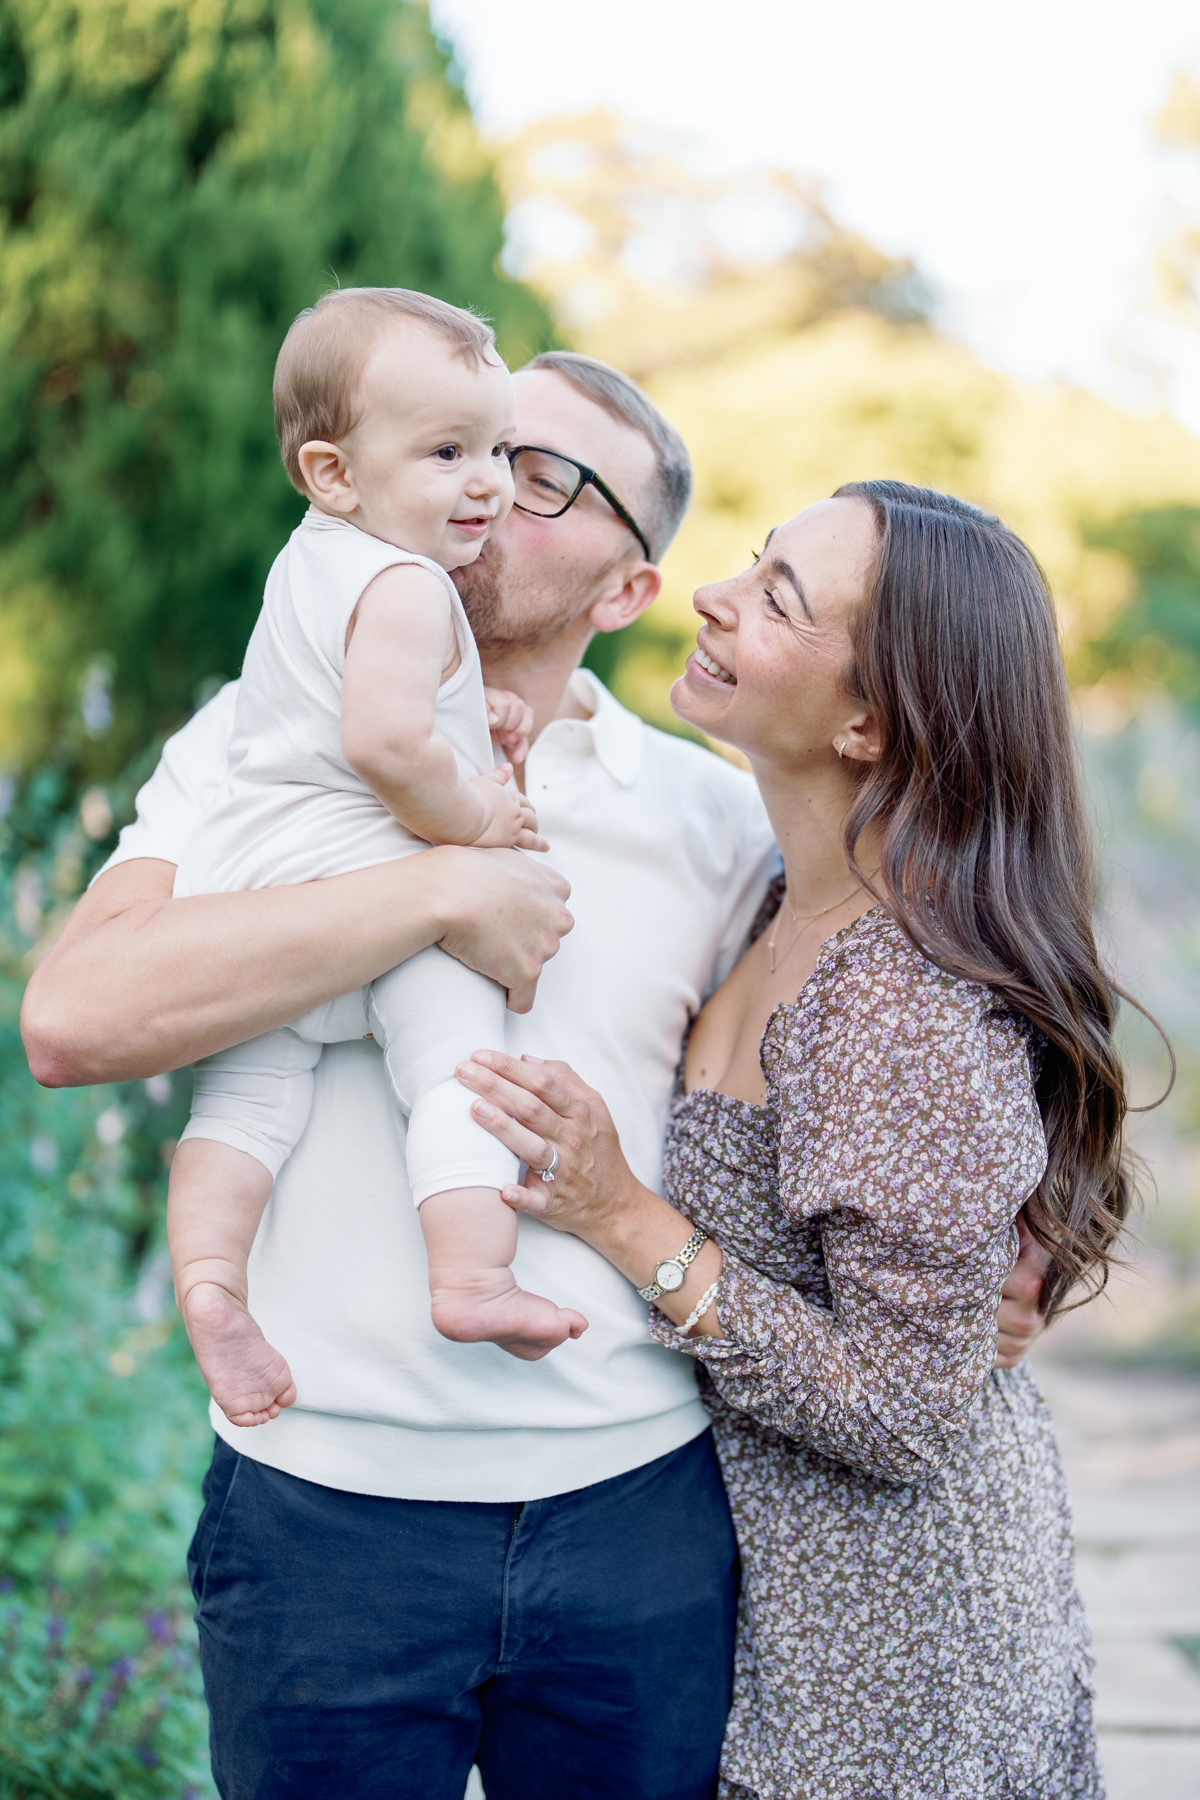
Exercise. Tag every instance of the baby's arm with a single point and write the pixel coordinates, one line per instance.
(395, 659)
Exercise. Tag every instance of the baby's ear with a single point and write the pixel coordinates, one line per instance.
(326, 475)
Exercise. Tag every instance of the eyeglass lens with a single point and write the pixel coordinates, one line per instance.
(544, 483)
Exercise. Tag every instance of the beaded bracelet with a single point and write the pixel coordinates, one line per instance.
(698, 1311)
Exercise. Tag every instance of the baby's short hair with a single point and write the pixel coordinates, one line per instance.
(318, 373)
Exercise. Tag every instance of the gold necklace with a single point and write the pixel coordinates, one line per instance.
(803, 919)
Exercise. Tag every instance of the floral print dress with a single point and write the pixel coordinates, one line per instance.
(909, 1627)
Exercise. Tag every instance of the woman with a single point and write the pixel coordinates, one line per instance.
(916, 1047)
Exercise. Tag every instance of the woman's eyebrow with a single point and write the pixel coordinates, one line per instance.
(779, 567)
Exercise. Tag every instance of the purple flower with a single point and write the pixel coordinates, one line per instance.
(160, 1627)
(121, 1670)
(7, 1584)
(148, 1757)
(85, 1676)
(56, 1631)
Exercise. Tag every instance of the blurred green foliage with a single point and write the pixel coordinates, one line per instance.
(103, 1436)
(77, 1723)
(177, 180)
(1154, 641)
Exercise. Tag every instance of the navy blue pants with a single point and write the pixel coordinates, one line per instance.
(357, 1648)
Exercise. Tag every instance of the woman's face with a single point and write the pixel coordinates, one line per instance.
(766, 674)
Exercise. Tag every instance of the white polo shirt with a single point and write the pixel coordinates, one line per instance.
(668, 852)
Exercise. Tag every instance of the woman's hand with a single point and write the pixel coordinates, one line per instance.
(507, 915)
(537, 1108)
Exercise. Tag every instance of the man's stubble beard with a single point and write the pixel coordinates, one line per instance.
(506, 612)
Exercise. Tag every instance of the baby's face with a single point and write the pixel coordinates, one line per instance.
(427, 460)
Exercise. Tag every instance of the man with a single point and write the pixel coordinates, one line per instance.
(441, 1555)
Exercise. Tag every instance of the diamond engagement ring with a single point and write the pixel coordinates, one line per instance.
(547, 1174)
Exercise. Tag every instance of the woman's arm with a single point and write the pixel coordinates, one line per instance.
(909, 1136)
(915, 1191)
(138, 982)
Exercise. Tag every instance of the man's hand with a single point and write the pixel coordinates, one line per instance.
(510, 721)
(1019, 1320)
(508, 914)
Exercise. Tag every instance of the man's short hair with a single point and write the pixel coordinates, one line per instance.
(622, 399)
(318, 373)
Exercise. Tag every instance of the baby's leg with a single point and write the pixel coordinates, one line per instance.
(214, 1205)
(429, 1014)
(250, 1105)
(470, 1240)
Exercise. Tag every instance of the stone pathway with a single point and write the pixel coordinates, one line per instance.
(1131, 1445)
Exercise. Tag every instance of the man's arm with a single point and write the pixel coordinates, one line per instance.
(139, 982)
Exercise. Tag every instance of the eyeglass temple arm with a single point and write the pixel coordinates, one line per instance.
(626, 518)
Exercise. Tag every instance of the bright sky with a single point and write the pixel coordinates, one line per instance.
(1006, 147)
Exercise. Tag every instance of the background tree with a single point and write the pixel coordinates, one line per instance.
(177, 180)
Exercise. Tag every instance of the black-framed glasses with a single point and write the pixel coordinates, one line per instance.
(548, 485)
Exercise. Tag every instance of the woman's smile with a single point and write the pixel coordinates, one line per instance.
(711, 668)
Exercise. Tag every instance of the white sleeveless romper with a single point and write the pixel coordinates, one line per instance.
(293, 810)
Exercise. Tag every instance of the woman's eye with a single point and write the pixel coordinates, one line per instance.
(773, 604)
(447, 453)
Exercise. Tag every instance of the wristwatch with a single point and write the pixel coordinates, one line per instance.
(670, 1275)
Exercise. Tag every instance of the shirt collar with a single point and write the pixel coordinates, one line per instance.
(617, 734)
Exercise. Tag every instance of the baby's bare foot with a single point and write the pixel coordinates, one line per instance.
(249, 1381)
(477, 1306)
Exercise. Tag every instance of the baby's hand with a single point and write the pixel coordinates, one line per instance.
(510, 721)
(509, 821)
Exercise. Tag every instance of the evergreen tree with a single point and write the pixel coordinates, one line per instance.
(177, 180)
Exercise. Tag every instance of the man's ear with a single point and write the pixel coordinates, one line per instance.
(622, 605)
(326, 475)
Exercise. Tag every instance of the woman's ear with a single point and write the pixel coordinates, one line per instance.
(622, 605)
(327, 476)
(859, 739)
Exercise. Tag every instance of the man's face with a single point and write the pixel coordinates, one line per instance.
(535, 577)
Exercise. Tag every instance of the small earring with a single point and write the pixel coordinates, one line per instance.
(841, 749)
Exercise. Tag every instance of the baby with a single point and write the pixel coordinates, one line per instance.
(363, 732)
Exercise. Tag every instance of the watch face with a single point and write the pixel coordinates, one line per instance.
(669, 1276)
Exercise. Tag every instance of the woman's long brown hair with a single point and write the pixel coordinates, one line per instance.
(988, 860)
